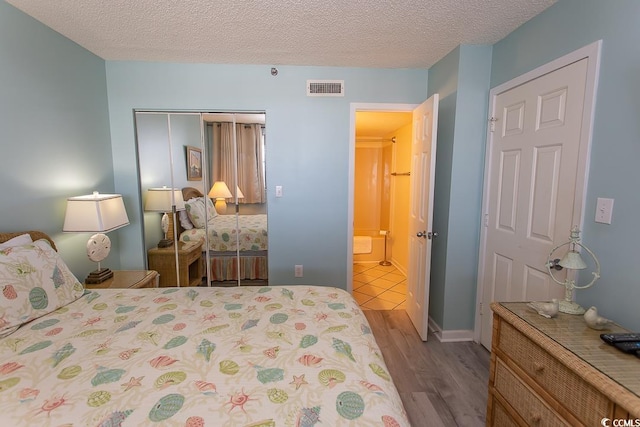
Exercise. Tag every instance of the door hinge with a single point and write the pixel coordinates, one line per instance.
(480, 309)
(492, 123)
(486, 220)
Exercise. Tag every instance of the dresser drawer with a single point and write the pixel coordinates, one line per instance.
(580, 398)
(524, 400)
(500, 417)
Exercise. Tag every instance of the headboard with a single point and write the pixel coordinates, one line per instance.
(35, 235)
(190, 193)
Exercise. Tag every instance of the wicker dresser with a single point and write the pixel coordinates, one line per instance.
(557, 372)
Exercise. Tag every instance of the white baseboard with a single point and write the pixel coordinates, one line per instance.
(400, 267)
(450, 336)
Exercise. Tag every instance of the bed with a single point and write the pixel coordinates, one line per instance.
(243, 356)
(226, 238)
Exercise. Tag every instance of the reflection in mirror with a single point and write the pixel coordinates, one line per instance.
(220, 155)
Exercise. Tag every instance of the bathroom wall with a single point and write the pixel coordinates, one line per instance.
(372, 187)
(398, 241)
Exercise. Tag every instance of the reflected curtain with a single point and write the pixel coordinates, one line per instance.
(222, 157)
(250, 158)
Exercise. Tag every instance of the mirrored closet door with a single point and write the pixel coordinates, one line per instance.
(202, 183)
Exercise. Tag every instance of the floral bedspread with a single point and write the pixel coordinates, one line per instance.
(250, 356)
(223, 230)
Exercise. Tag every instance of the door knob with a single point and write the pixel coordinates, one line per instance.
(432, 235)
(555, 263)
(422, 234)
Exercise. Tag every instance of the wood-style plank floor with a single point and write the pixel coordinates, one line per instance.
(440, 384)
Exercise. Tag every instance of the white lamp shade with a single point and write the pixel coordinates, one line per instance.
(572, 261)
(239, 193)
(160, 200)
(95, 213)
(220, 191)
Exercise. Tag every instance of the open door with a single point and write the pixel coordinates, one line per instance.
(423, 165)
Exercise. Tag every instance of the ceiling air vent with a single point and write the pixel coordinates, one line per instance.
(325, 87)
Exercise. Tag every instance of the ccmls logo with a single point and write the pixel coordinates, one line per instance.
(607, 422)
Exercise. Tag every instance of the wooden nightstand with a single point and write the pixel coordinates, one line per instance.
(129, 279)
(163, 260)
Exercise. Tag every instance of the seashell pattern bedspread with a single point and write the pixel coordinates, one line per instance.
(250, 356)
(249, 233)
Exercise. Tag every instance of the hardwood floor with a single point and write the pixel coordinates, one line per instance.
(440, 384)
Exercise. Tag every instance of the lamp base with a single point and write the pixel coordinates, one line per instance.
(165, 243)
(570, 307)
(385, 262)
(221, 206)
(98, 276)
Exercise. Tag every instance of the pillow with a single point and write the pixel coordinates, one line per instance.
(185, 222)
(34, 281)
(20, 240)
(196, 210)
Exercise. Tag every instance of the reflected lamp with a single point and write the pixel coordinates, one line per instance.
(220, 192)
(96, 213)
(164, 200)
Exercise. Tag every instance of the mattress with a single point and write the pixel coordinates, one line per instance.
(250, 356)
(248, 234)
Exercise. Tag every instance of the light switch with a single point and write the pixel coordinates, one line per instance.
(278, 190)
(604, 210)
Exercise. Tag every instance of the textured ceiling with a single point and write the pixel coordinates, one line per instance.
(361, 33)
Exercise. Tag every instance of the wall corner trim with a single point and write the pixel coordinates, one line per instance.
(456, 335)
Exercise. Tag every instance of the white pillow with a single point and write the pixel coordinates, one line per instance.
(20, 240)
(196, 210)
(185, 222)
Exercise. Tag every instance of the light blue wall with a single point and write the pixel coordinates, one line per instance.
(615, 151)
(443, 79)
(55, 140)
(54, 132)
(462, 79)
(307, 153)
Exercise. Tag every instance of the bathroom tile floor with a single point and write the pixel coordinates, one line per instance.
(379, 287)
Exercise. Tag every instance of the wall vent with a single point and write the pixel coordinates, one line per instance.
(325, 87)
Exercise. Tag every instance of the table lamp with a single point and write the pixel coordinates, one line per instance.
(572, 260)
(96, 213)
(220, 192)
(164, 200)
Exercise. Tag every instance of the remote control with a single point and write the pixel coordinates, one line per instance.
(632, 347)
(612, 338)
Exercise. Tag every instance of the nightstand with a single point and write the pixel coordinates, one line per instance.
(128, 279)
(163, 260)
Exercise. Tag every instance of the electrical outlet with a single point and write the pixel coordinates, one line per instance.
(298, 270)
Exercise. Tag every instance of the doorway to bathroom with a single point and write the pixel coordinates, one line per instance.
(381, 189)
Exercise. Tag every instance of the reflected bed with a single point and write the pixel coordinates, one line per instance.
(226, 238)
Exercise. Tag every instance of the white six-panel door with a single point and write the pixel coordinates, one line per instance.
(423, 155)
(533, 166)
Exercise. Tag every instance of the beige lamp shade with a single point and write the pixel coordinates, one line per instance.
(160, 200)
(220, 191)
(239, 193)
(95, 213)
